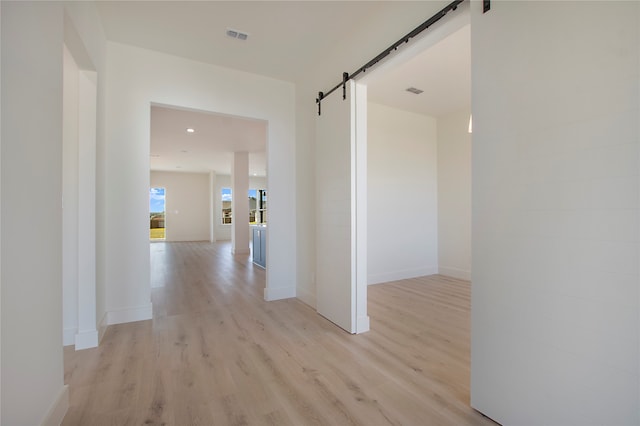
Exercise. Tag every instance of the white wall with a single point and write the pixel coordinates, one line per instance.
(87, 336)
(2, 102)
(454, 195)
(402, 194)
(32, 39)
(32, 374)
(137, 78)
(86, 41)
(71, 76)
(556, 213)
(187, 204)
(305, 196)
(79, 188)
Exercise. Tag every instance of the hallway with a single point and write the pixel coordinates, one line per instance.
(217, 353)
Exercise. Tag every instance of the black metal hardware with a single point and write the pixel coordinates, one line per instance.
(420, 28)
(486, 6)
(345, 78)
(319, 102)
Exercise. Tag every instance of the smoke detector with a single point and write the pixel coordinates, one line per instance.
(414, 90)
(237, 34)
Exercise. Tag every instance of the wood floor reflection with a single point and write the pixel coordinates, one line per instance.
(217, 353)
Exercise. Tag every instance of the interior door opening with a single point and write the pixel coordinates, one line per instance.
(200, 164)
(419, 161)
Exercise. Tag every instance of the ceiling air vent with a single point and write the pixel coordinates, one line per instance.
(237, 34)
(414, 90)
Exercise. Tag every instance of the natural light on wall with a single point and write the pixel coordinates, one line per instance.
(470, 123)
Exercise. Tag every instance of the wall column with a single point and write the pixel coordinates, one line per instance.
(33, 386)
(87, 336)
(212, 205)
(240, 203)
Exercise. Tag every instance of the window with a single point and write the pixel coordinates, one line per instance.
(253, 203)
(156, 213)
(257, 206)
(226, 206)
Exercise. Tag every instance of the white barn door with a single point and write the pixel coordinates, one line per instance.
(341, 211)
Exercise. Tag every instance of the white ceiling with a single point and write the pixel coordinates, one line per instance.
(210, 147)
(285, 37)
(443, 72)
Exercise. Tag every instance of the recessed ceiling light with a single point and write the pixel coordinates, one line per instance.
(190, 130)
(414, 90)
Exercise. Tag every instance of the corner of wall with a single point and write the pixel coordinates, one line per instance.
(58, 410)
(362, 324)
(306, 296)
(271, 293)
(102, 327)
(453, 272)
(69, 336)
(131, 314)
(86, 340)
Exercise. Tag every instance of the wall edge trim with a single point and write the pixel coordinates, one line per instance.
(58, 409)
(86, 340)
(271, 294)
(449, 271)
(402, 274)
(69, 336)
(131, 314)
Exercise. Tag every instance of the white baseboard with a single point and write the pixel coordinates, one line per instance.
(58, 409)
(279, 293)
(69, 336)
(362, 324)
(452, 272)
(136, 313)
(86, 340)
(121, 316)
(402, 275)
(306, 297)
(241, 251)
(102, 327)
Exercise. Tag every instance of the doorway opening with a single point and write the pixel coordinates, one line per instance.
(419, 162)
(203, 160)
(387, 226)
(157, 214)
(80, 94)
(418, 142)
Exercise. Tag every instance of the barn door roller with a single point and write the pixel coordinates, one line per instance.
(486, 5)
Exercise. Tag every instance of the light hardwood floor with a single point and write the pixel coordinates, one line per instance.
(216, 353)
